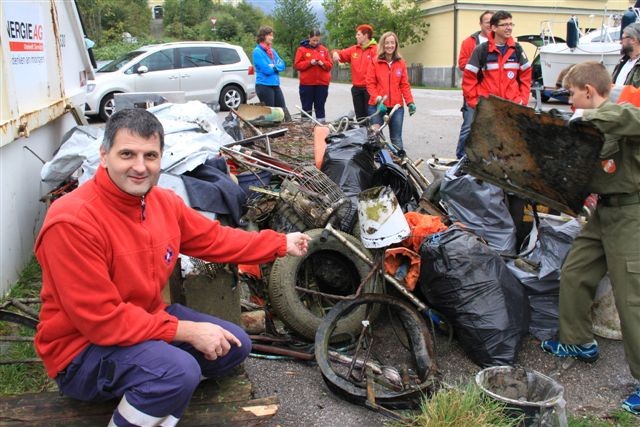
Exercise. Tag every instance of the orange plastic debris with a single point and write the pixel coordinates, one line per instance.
(319, 144)
(394, 258)
(421, 226)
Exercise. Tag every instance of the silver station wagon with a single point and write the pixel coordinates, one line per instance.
(211, 72)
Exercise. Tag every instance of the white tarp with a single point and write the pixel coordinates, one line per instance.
(193, 135)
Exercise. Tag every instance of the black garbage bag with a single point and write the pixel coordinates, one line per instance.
(231, 125)
(348, 161)
(538, 270)
(481, 207)
(469, 283)
(391, 175)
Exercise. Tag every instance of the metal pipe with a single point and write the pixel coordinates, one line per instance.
(255, 129)
(371, 263)
(282, 351)
(329, 125)
(455, 43)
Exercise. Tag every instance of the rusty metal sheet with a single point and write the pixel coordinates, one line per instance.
(534, 155)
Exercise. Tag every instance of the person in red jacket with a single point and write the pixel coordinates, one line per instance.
(314, 64)
(504, 71)
(360, 57)
(107, 250)
(388, 85)
(466, 49)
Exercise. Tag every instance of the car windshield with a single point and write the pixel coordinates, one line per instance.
(117, 64)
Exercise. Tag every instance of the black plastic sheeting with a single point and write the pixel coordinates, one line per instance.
(469, 283)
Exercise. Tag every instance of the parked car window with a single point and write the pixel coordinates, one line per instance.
(116, 64)
(226, 56)
(197, 56)
(158, 61)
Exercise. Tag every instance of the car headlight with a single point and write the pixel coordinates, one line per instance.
(91, 87)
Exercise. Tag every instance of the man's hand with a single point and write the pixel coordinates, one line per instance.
(297, 244)
(211, 340)
(412, 109)
(336, 56)
(320, 63)
(313, 62)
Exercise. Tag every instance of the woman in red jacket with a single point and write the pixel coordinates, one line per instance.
(388, 85)
(314, 64)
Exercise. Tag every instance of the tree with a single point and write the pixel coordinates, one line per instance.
(293, 21)
(106, 20)
(402, 17)
(182, 17)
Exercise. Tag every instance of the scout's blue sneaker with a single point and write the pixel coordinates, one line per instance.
(586, 352)
(632, 404)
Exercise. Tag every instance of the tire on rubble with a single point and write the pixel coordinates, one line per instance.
(329, 267)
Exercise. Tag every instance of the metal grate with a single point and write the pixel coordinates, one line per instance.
(205, 268)
(312, 195)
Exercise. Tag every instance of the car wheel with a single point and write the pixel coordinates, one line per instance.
(107, 107)
(231, 97)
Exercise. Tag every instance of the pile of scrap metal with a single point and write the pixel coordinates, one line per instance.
(474, 277)
(455, 259)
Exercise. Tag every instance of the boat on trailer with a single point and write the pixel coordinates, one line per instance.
(601, 45)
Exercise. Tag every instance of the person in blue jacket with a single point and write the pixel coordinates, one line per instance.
(268, 65)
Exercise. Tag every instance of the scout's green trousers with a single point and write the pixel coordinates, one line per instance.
(610, 241)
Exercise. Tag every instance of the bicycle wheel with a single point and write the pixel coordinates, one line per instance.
(391, 360)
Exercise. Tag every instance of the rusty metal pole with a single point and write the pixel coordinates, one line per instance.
(421, 306)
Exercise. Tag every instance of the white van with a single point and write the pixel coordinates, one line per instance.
(211, 72)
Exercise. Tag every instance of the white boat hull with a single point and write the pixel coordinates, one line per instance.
(556, 57)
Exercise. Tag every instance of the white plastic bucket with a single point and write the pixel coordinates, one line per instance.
(382, 222)
(527, 392)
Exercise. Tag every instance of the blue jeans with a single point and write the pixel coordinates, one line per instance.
(465, 129)
(395, 125)
(155, 379)
(314, 97)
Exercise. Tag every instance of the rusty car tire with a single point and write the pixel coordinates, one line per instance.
(293, 307)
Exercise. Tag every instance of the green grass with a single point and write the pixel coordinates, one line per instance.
(465, 406)
(468, 406)
(22, 377)
(617, 418)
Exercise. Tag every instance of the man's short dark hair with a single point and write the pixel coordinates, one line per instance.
(136, 120)
(499, 16)
(483, 14)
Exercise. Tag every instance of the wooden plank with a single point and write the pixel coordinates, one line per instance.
(227, 401)
(534, 155)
